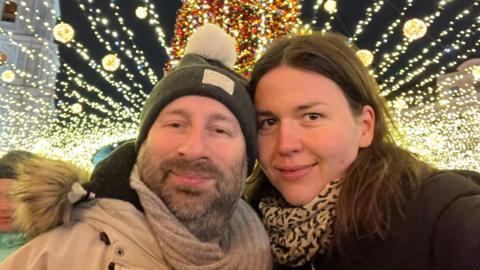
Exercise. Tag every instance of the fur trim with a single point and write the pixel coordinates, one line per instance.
(212, 42)
(41, 194)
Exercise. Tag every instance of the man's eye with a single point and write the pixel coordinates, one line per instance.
(175, 125)
(221, 131)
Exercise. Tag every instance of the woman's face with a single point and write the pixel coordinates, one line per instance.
(308, 135)
(5, 206)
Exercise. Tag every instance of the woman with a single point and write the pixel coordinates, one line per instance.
(335, 191)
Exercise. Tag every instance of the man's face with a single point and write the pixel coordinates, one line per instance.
(194, 159)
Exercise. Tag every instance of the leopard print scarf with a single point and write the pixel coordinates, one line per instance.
(297, 234)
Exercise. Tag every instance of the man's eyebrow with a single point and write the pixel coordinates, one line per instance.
(178, 111)
(222, 117)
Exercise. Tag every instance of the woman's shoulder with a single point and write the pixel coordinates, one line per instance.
(446, 194)
(451, 184)
(441, 189)
(472, 175)
(456, 234)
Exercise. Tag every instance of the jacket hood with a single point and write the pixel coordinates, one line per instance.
(40, 194)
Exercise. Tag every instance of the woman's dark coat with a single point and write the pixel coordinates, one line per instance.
(441, 231)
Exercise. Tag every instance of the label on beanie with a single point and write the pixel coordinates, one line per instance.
(219, 80)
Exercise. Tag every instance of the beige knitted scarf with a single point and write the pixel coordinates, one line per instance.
(245, 243)
(297, 234)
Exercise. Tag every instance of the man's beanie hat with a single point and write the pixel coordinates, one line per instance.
(205, 70)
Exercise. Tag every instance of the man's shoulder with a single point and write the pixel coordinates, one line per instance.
(107, 211)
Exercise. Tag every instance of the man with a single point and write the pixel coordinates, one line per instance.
(171, 200)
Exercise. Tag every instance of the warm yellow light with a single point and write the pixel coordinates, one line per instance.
(110, 62)
(365, 56)
(77, 108)
(476, 73)
(63, 32)
(304, 29)
(8, 76)
(141, 12)
(400, 105)
(414, 29)
(331, 6)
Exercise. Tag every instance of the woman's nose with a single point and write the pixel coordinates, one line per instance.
(288, 139)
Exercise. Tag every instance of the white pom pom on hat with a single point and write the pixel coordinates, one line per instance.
(212, 42)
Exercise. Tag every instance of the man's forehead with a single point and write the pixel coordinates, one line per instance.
(199, 105)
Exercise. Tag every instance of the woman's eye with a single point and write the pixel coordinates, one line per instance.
(312, 116)
(266, 123)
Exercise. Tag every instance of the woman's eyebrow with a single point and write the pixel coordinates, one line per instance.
(309, 105)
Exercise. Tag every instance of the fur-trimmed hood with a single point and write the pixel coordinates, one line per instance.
(40, 194)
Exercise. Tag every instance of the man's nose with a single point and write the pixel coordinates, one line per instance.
(194, 144)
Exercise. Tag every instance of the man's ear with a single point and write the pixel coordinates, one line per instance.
(367, 124)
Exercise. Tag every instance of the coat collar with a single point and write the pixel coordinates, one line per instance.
(111, 177)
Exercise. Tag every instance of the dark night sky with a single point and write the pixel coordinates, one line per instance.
(347, 17)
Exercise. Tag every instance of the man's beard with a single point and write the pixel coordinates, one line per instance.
(204, 211)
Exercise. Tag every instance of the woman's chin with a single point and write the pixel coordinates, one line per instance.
(297, 199)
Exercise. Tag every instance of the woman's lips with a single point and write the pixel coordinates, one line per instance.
(293, 173)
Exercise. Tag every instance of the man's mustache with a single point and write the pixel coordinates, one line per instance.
(189, 166)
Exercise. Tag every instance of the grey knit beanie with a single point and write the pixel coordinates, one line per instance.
(205, 70)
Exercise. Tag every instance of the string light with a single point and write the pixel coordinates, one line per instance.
(110, 62)
(331, 6)
(63, 32)
(141, 12)
(8, 76)
(365, 56)
(414, 29)
(363, 23)
(77, 108)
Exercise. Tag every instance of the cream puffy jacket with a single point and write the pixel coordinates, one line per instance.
(113, 234)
